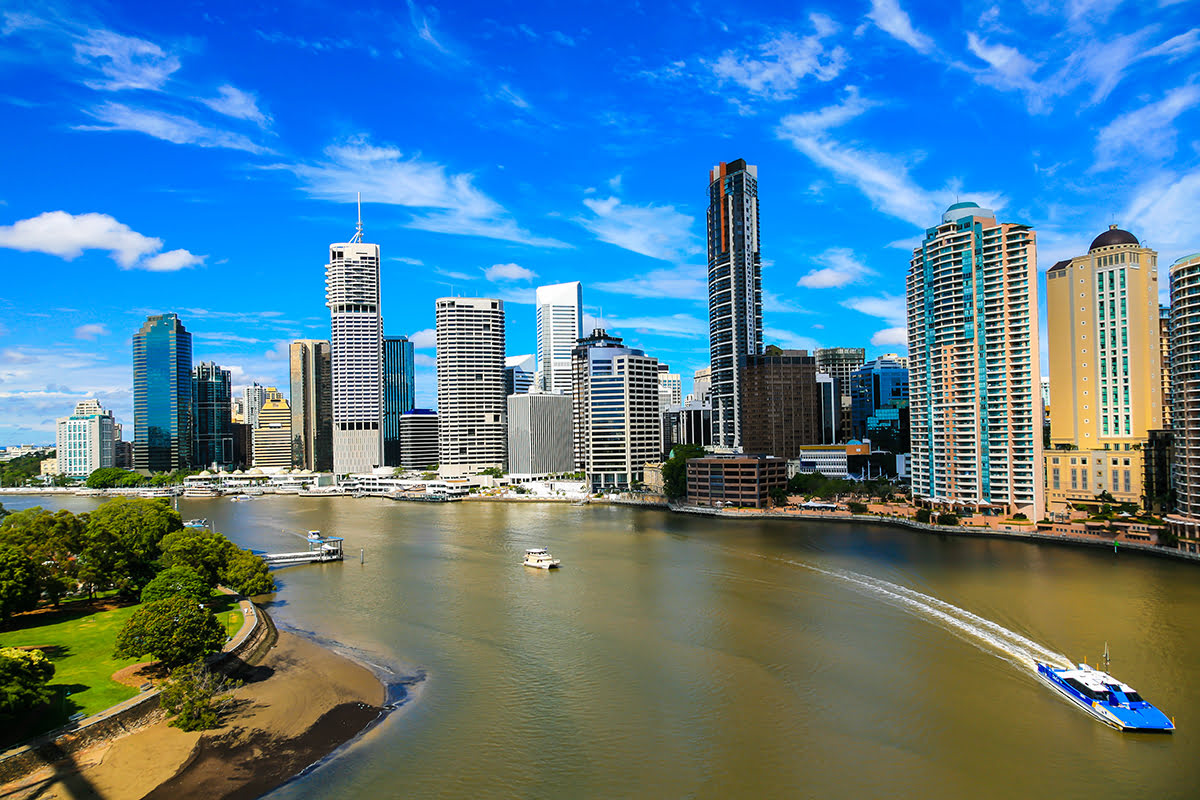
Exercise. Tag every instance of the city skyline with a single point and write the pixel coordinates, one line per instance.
(843, 193)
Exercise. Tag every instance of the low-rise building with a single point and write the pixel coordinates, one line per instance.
(539, 434)
(734, 480)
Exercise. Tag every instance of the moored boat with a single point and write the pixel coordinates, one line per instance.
(540, 558)
(1107, 699)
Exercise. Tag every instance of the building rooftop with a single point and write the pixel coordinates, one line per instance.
(1113, 236)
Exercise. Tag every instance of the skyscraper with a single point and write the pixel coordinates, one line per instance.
(85, 440)
(734, 289)
(559, 327)
(470, 384)
(162, 395)
(670, 387)
(974, 365)
(1164, 361)
(253, 397)
(616, 416)
(398, 393)
(519, 372)
(273, 436)
(312, 405)
(211, 406)
(1185, 400)
(1105, 370)
(782, 403)
(840, 363)
(356, 353)
(539, 434)
(879, 404)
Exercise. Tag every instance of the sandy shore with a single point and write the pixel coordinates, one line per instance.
(299, 703)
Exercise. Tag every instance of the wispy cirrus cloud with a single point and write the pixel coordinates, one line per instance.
(675, 325)
(233, 102)
(91, 331)
(1146, 132)
(124, 62)
(684, 282)
(890, 18)
(784, 61)
(385, 174)
(67, 236)
(656, 231)
(168, 127)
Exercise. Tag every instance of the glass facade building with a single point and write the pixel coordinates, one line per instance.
(312, 405)
(162, 395)
(398, 394)
(878, 394)
(211, 397)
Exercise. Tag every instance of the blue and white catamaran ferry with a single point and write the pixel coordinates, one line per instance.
(1106, 698)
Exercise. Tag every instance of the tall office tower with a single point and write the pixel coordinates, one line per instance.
(356, 353)
(519, 374)
(470, 384)
(616, 416)
(974, 364)
(273, 436)
(841, 363)
(1105, 370)
(879, 404)
(734, 289)
(162, 395)
(1164, 361)
(122, 450)
(1185, 400)
(211, 395)
(831, 411)
(702, 384)
(84, 440)
(539, 434)
(559, 328)
(670, 387)
(688, 423)
(781, 405)
(253, 397)
(398, 393)
(312, 405)
(419, 439)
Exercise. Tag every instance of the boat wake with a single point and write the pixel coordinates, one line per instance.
(983, 633)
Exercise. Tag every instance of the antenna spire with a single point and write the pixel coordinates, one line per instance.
(358, 232)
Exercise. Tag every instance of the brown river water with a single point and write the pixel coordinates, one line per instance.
(677, 656)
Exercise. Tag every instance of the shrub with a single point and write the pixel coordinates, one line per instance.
(922, 515)
(857, 508)
(191, 697)
(947, 519)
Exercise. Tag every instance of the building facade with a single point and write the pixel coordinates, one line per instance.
(1185, 401)
(162, 395)
(1164, 360)
(616, 415)
(1105, 331)
(540, 434)
(734, 290)
(84, 441)
(745, 481)
(702, 384)
(470, 384)
(312, 405)
(781, 404)
(519, 374)
(273, 436)
(879, 404)
(841, 363)
(399, 394)
(974, 365)
(253, 397)
(559, 327)
(211, 401)
(356, 354)
(419, 439)
(688, 423)
(670, 387)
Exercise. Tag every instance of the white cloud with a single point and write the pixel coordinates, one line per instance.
(1146, 132)
(789, 340)
(891, 337)
(507, 94)
(841, 267)
(416, 262)
(385, 175)
(422, 360)
(892, 19)
(785, 61)
(654, 231)
(91, 331)
(509, 272)
(685, 282)
(1163, 210)
(1008, 69)
(58, 233)
(1177, 46)
(124, 61)
(424, 339)
(233, 102)
(168, 127)
(281, 350)
(888, 308)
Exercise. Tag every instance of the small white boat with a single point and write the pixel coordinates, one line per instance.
(540, 558)
(240, 498)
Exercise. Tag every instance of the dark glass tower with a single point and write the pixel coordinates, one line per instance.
(213, 440)
(397, 393)
(312, 405)
(162, 395)
(734, 290)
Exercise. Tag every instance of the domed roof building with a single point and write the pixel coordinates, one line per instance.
(1112, 237)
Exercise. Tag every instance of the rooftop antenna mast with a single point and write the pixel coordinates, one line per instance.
(357, 238)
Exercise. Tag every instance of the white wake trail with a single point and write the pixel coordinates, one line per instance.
(1009, 645)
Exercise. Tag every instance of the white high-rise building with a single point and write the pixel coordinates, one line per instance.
(559, 328)
(539, 434)
(84, 440)
(670, 388)
(356, 354)
(253, 397)
(470, 384)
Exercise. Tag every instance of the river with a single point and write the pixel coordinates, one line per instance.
(678, 656)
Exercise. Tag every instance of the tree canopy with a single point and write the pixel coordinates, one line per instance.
(19, 584)
(179, 581)
(674, 470)
(217, 560)
(176, 631)
(24, 679)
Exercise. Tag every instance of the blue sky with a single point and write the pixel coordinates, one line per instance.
(199, 157)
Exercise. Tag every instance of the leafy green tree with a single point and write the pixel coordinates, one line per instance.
(947, 519)
(199, 548)
(137, 525)
(674, 470)
(19, 584)
(196, 697)
(107, 477)
(176, 631)
(779, 496)
(177, 581)
(24, 679)
(246, 573)
(923, 515)
(856, 507)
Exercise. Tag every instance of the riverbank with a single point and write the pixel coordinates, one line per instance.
(300, 702)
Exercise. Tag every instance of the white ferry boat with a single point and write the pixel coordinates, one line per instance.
(1107, 699)
(539, 557)
(241, 498)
